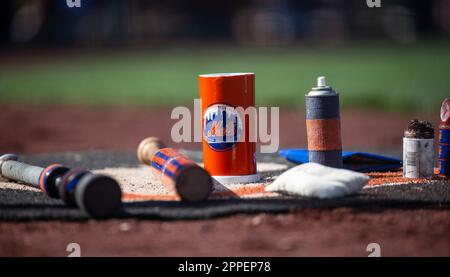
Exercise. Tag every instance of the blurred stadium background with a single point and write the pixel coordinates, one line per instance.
(150, 52)
(88, 84)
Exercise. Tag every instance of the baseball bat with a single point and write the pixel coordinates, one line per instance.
(177, 171)
(98, 195)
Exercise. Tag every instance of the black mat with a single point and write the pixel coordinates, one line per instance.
(30, 205)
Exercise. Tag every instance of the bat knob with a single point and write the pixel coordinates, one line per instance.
(7, 157)
(98, 195)
(147, 148)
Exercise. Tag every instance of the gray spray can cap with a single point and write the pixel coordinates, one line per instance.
(321, 89)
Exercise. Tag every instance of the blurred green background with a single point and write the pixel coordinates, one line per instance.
(137, 52)
(376, 76)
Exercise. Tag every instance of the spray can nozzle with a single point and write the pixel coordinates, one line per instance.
(321, 88)
(321, 82)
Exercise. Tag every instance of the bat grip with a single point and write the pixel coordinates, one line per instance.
(21, 172)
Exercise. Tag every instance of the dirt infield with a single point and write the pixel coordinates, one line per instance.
(307, 232)
(44, 129)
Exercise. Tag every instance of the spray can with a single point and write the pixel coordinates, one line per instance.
(323, 125)
(228, 152)
(444, 139)
(175, 170)
(418, 153)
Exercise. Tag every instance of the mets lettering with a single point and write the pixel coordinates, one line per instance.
(222, 127)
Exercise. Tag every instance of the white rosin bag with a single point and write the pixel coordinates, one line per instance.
(316, 180)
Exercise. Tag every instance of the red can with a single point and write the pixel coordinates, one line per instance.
(228, 152)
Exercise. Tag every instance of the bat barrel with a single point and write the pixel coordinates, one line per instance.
(98, 195)
(175, 170)
(181, 174)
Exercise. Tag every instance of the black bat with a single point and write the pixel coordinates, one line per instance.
(98, 195)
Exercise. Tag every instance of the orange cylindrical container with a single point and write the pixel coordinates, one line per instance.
(228, 151)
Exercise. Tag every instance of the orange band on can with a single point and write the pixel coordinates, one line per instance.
(324, 134)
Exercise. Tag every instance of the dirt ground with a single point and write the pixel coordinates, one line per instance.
(44, 129)
(306, 233)
(309, 232)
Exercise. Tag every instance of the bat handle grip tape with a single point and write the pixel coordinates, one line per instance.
(21, 172)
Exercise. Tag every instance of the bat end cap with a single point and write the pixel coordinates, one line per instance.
(194, 184)
(98, 195)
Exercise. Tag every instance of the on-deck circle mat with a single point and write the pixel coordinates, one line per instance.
(146, 197)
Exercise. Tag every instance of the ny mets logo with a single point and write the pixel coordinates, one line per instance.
(222, 127)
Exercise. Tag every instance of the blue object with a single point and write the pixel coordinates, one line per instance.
(444, 167)
(357, 161)
(444, 151)
(444, 135)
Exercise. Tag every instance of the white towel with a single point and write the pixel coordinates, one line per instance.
(315, 180)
